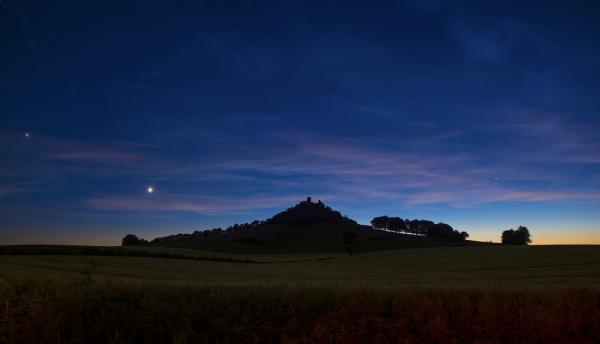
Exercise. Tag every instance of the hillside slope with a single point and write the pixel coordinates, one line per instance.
(306, 227)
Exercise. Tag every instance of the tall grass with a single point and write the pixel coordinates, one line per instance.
(80, 311)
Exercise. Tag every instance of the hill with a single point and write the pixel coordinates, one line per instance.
(306, 227)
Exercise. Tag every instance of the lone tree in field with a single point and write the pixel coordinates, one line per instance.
(131, 239)
(349, 238)
(520, 236)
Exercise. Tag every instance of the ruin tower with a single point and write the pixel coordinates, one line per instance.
(308, 199)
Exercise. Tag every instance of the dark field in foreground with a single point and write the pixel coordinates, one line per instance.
(486, 294)
(60, 311)
(484, 266)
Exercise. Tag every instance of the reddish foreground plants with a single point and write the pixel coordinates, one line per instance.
(54, 311)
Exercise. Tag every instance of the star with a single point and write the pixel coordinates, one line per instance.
(150, 189)
(27, 135)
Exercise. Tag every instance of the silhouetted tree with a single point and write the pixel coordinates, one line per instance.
(445, 231)
(396, 224)
(520, 236)
(131, 239)
(349, 238)
(380, 222)
(419, 227)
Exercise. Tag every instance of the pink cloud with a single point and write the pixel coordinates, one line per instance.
(50, 148)
(478, 196)
(96, 155)
(10, 190)
(207, 205)
(343, 169)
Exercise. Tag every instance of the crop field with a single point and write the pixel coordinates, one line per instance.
(495, 266)
(485, 294)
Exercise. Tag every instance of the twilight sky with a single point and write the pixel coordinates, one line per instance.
(483, 115)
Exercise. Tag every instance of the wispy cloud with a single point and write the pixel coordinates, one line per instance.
(479, 196)
(495, 40)
(11, 190)
(96, 155)
(289, 166)
(351, 170)
(547, 136)
(99, 152)
(207, 205)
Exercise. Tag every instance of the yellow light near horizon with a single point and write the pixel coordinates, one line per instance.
(583, 236)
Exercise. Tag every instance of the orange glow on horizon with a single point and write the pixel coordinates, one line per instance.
(587, 237)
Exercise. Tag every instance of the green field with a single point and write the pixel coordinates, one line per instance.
(500, 266)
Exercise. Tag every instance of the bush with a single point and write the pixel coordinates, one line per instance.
(520, 236)
(131, 239)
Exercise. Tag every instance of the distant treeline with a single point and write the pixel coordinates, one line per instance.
(106, 251)
(418, 227)
(199, 234)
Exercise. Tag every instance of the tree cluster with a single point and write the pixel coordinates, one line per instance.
(132, 239)
(244, 226)
(418, 227)
(199, 234)
(520, 236)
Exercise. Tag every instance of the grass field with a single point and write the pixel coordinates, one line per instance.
(479, 294)
(498, 266)
(160, 252)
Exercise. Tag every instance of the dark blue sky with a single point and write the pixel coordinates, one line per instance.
(480, 114)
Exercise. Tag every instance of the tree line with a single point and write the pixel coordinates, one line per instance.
(199, 234)
(418, 227)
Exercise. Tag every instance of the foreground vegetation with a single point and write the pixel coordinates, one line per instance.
(486, 294)
(40, 310)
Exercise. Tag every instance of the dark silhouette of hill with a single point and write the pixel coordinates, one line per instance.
(306, 227)
(309, 213)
